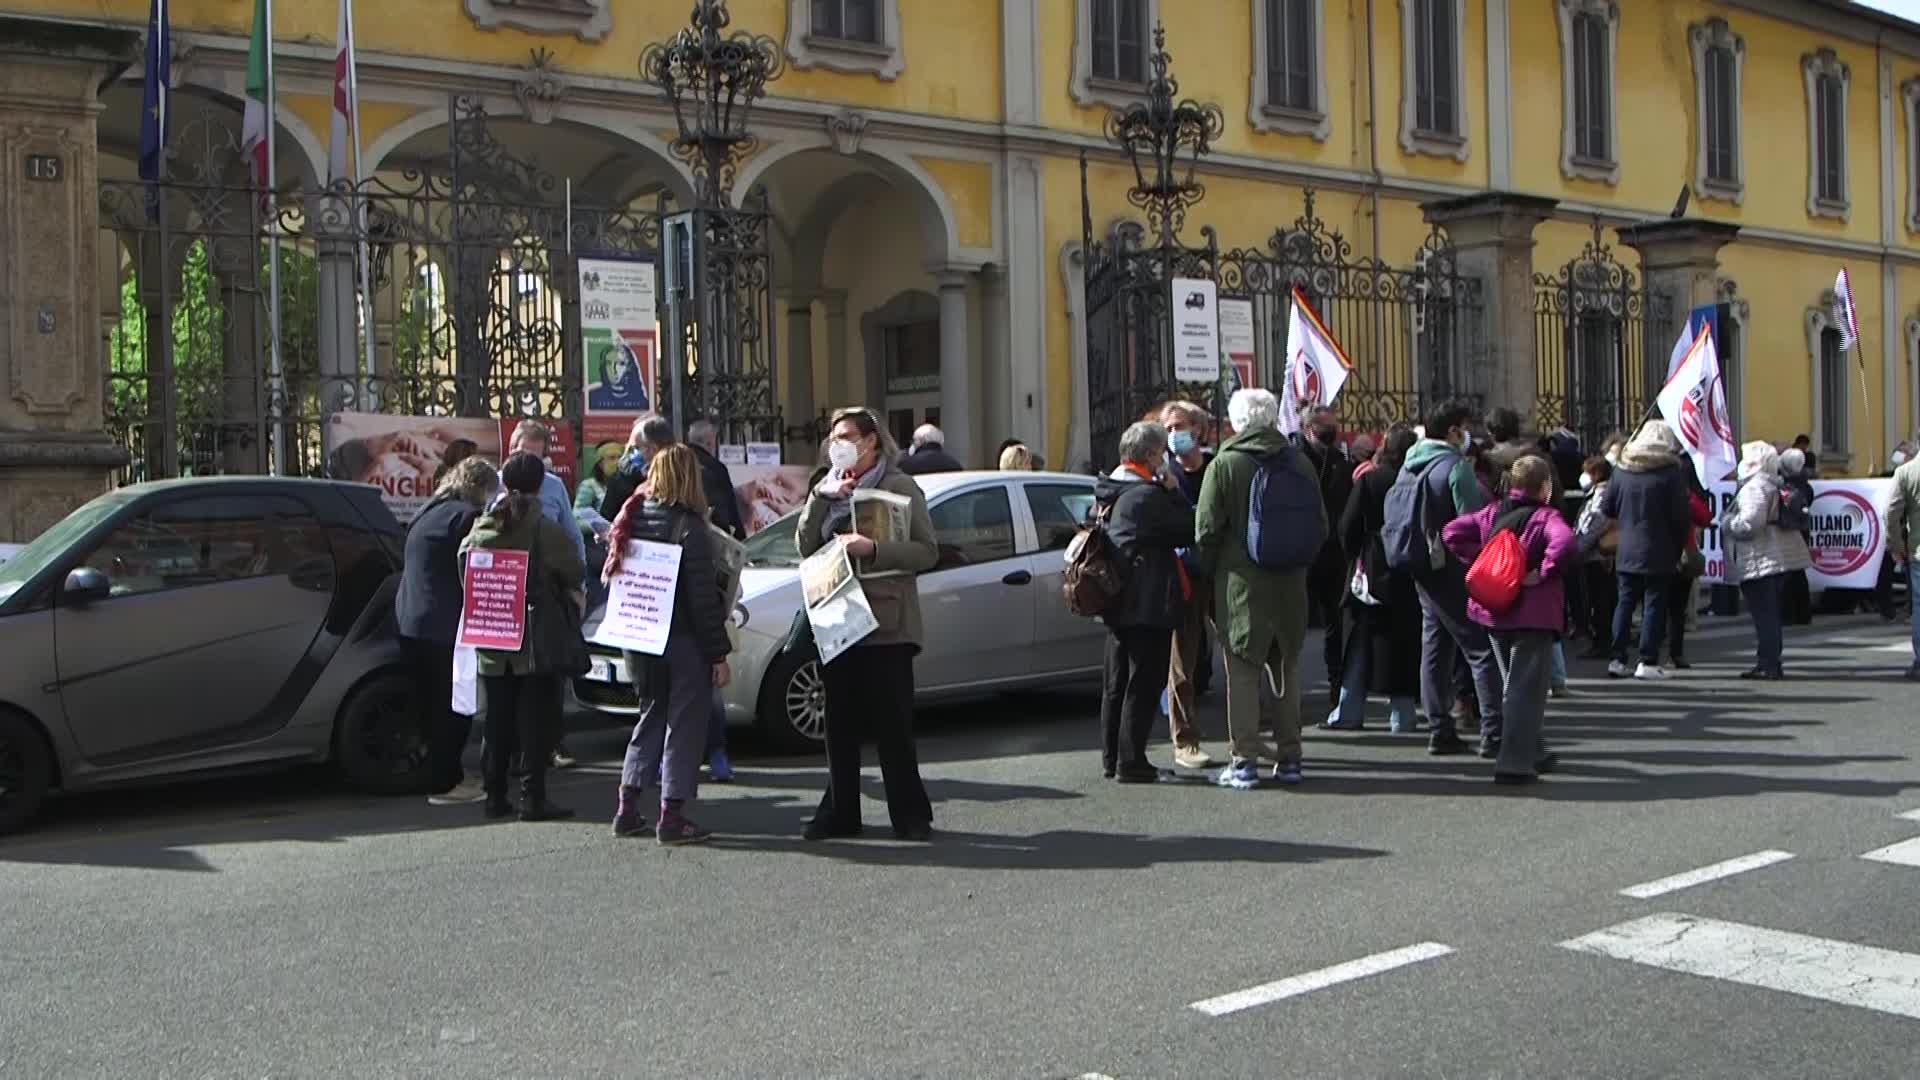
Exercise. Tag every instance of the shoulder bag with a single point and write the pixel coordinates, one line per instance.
(556, 645)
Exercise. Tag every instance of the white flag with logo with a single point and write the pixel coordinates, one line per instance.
(1694, 405)
(1317, 367)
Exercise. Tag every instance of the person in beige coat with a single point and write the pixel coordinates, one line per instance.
(1761, 553)
(870, 686)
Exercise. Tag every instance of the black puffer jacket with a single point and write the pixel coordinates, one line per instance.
(698, 607)
(1148, 524)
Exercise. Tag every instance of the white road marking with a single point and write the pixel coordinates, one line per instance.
(1838, 971)
(1904, 853)
(1295, 985)
(1741, 865)
(1911, 815)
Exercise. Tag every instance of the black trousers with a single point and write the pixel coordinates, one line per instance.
(1602, 594)
(523, 720)
(1326, 606)
(446, 731)
(1137, 658)
(870, 694)
(1679, 599)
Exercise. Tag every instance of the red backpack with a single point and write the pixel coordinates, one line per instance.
(1494, 579)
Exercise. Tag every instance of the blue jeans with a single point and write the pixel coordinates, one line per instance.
(1764, 598)
(1653, 621)
(717, 725)
(1351, 710)
(1559, 678)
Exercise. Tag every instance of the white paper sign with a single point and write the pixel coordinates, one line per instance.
(1236, 328)
(836, 604)
(763, 453)
(733, 454)
(1196, 331)
(640, 603)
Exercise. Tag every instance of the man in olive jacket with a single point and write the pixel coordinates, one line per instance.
(1260, 615)
(1903, 537)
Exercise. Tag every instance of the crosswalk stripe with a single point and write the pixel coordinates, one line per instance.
(1904, 853)
(1295, 985)
(1911, 815)
(1649, 890)
(1838, 971)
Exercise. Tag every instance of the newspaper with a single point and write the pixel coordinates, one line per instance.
(884, 518)
(836, 604)
(729, 558)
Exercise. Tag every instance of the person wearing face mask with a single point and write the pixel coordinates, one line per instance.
(870, 686)
(1190, 664)
(1451, 490)
(650, 435)
(1327, 580)
(532, 437)
(1149, 522)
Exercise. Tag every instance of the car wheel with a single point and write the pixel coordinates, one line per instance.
(793, 703)
(26, 771)
(379, 742)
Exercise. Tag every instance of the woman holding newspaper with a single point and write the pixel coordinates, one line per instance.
(870, 684)
(675, 687)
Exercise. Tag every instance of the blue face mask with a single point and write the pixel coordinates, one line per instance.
(634, 462)
(1181, 442)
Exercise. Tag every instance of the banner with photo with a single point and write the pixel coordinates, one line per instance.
(405, 455)
(1848, 540)
(619, 334)
(768, 492)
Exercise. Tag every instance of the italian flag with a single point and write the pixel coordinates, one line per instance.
(253, 130)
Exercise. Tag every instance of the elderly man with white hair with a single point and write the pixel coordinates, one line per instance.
(1260, 612)
(929, 454)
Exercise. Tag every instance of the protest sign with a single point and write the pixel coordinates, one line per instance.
(836, 604)
(1847, 539)
(640, 604)
(493, 611)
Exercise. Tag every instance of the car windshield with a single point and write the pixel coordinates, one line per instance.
(50, 545)
(773, 548)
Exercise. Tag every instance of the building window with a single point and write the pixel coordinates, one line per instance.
(1832, 402)
(1719, 54)
(1827, 83)
(1289, 90)
(1120, 41)
(588, 20)
(1910, 93)
(1112, 41)
(1589, 30)
(852, 36)
(1432, 117)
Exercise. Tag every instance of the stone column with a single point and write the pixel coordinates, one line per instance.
(1492, 235)
(338, 328)
(957, 416)
(1681, 262)
(996, 366)
(799, 405)
(846, 374)
(54, 450)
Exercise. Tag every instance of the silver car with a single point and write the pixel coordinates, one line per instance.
(993, 610)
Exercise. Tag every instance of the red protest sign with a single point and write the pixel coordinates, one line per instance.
(493, 610)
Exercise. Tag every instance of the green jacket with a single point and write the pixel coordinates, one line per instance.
(1256, 611)
(555, 572)
(894, 596)
(1468, 495)
(1903, 511)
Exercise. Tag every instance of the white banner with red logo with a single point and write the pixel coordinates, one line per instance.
(1848, 538)
(1316, 365)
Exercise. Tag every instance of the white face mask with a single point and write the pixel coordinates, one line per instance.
(1899, 458)
(1586, 481)
(842, 454)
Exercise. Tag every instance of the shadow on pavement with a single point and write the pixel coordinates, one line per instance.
(1064, 849)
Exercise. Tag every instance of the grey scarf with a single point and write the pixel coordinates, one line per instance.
(840, 511)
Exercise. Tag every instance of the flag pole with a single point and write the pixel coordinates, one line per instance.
(276, 370)
(360, 180)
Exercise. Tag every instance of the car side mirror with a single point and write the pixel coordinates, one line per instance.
(84, 585)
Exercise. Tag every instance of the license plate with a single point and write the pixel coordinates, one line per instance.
(606, 669)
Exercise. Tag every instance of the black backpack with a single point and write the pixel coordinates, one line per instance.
(1286, 522)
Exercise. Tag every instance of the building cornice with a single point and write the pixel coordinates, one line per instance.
(1848, 22)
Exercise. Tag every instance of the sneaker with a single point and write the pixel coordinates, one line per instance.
(1241, 775)
(1287, 772)
(1649, 672)
(1560, 692)
(1490, 749)
(1193, 757)
(1445, 742)
(719, 768)
(681, 832)
(1616, 669)
(464, 793)
(1136, 773)
(562, 760)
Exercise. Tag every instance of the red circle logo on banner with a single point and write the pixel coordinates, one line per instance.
(1690, 422)
(1846, 532)
(1717, 412)
(1306, 379)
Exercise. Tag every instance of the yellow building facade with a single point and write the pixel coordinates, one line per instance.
(922, 162)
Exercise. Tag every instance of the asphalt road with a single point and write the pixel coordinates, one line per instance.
(1395, 916)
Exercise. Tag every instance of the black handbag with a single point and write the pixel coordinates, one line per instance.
(553, 623)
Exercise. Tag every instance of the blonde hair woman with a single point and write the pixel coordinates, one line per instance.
(1016, 458)
(676, 687)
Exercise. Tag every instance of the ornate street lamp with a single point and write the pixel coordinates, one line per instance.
(712, 79)
(1165, 142)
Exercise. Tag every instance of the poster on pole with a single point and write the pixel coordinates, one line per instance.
(1196, 331)
(640, 603)
(837, 606)
(1846, 537)
(493, 608)
(619, 336)
(1237, 340)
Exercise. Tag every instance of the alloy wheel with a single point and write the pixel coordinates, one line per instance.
(806, 701)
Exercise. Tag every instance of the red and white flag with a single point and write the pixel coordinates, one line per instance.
(1845, 319)
(339, 146)
(1317, 367)
(1694, 405)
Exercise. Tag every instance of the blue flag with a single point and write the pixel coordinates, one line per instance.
(154, 104)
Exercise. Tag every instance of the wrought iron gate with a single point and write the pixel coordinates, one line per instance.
(1600, 361)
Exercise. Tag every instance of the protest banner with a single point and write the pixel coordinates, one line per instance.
(640, 602)
(836, 604)
(619, 337)
(493, 605)
(1847, 541)
(768, 492)
(403, 455)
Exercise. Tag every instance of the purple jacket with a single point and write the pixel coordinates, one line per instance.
(1551, 547)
